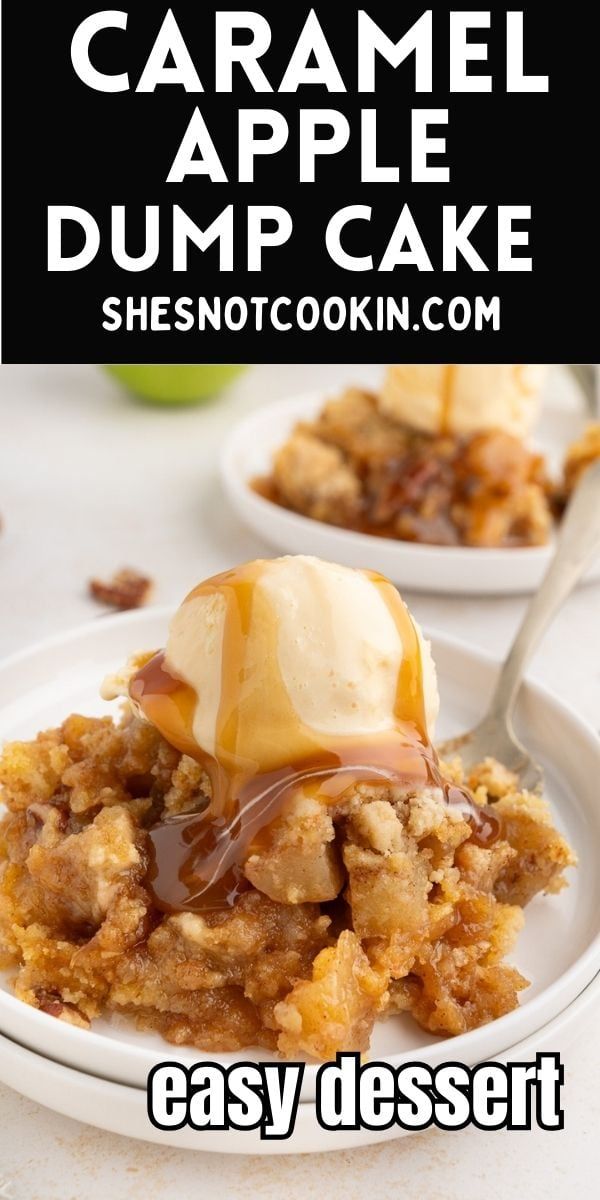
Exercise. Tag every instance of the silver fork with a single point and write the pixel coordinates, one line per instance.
(586, 375)
(577, 546)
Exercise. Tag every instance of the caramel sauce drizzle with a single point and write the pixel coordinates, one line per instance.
(447, 398)
(263, 753)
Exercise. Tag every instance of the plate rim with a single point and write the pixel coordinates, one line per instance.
(72, 1078)
(165, 611)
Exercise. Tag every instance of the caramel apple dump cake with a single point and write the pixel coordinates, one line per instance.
(438, 456)
(265, 850)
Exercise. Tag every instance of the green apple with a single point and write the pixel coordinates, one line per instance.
(174, 384)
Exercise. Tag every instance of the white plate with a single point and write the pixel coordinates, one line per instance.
(248, 454)
(122, 1110)
(559, 950)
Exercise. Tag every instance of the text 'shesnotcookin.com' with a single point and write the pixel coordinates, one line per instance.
(370, 314)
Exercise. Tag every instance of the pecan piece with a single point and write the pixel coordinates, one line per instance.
(126, 589)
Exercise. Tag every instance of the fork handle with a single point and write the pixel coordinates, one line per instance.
(577, 546)
(586, 377)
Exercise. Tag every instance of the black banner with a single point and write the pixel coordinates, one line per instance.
(443, 223)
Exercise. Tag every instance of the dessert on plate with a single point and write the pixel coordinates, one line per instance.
(265, 849)
(438, 456)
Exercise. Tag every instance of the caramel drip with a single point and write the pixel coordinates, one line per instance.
(447, 399)
(167, 702)
(263, 753)
(256, 730)
(410, 691)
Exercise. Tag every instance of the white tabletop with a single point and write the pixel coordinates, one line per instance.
(90, 481)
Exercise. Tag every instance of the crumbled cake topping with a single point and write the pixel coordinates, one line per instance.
(376, 904)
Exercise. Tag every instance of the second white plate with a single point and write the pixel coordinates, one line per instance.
(248, 454)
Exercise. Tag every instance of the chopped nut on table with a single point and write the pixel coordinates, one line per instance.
(126, 589)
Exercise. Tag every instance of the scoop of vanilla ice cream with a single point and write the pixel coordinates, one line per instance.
(320, 640)
(462, 399)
